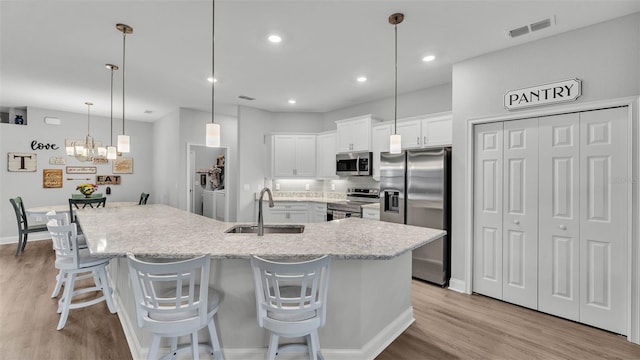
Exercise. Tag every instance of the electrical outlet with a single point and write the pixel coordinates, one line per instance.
(333, 186)
(277, 186)
(306, 187)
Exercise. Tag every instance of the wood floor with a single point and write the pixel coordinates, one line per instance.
(448, 325)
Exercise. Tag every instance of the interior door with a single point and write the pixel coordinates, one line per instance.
(559, 232)
(604, 174)
(487, 247)
(520, 213)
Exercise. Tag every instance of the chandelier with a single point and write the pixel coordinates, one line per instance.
(87, 150)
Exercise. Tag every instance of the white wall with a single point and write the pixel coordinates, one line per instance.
(17, 138)
(605, 57)
(166, 159)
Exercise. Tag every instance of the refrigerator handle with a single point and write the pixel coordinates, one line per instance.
(358, 165)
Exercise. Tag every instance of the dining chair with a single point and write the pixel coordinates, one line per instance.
(170, 302)
(143, 199)
(23, 225)
(83, 203)
(291, 300)
(75, 264)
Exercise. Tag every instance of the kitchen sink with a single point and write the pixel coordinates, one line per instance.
(268, 229)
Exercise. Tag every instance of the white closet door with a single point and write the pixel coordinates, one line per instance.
(604, 174)
(520, 213)
(487, 261)
(559, 232)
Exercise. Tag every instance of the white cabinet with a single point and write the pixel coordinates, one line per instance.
(285, 213)
(425, 131)
(326, 155)
(208, 203)
(371, 213)
(294, 155)
(550, 226)
(213, 204)
(219, 201)
(317, 212)
(379, 143)
(354, 134)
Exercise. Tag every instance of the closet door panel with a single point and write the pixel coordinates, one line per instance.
(487, 274)
(559, 230)
(520, 213)
(604, 220)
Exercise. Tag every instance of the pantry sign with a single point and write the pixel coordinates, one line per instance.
(563, 91)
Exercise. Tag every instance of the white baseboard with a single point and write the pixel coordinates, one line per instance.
(457, 285)
(32, 237)
(368, 352)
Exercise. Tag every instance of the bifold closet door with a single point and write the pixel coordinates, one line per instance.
(520, 213)
(559, 232)
(604, 218)
(487, 247)
(506, 211)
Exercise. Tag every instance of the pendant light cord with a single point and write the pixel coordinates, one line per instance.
(111, 137)
(395, 96)
(213, 50)
(124, 39)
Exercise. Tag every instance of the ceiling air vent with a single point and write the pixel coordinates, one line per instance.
(245, 97)
(538, 25)
(519, 31)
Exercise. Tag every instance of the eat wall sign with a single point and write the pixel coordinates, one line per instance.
(563, 91)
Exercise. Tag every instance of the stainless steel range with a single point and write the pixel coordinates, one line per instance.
(352, 206)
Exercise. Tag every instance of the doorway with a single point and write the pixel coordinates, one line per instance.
(207, 179)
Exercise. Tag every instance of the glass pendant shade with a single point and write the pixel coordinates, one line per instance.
(102, 151)
(213, 135)
(395, 144)
(111, 153)
(123, 143)
(70, 150)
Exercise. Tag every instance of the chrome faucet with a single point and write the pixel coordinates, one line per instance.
(260, 220)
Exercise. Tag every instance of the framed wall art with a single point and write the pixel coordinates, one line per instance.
(123, 166)
(22, 162)
(81, 170)
(52, 178)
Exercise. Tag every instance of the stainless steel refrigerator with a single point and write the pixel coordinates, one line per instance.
(415, 190)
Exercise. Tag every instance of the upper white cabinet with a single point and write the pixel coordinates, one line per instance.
(294, 155)
(379, 143)
(425, 131)
(326, 155)
(354, 134)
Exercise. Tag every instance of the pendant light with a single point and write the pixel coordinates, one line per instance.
(123, 140)
(395, 142)
(212, 129)
(111, 150)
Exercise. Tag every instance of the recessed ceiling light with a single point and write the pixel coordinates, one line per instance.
(292, 101)
(428, 58)
(275, 38)
(362, 79)
(212, 80)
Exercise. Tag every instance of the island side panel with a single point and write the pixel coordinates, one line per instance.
(365, 296)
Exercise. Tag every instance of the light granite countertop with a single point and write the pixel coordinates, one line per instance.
(162, 231)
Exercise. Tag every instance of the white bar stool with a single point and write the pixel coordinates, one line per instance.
(291, 302)
(171, 302)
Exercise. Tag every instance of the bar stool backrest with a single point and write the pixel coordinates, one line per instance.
(64, 239)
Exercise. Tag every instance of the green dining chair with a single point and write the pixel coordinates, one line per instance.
(23, 225)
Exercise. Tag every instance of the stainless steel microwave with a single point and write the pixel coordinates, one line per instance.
(354, 164)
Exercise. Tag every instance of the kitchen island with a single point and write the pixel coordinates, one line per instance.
(369, 302)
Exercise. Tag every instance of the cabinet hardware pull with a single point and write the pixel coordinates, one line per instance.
(517, 222)
(563, 227)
